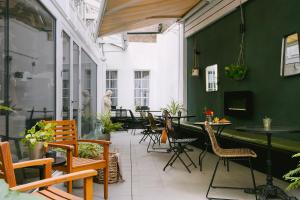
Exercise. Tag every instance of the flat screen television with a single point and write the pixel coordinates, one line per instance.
(238, 103)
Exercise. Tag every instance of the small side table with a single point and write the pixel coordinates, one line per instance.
(59, 161)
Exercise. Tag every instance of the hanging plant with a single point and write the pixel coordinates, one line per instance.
(239, 70)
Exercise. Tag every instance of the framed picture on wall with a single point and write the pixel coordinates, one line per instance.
(290, 60)
(211, 75)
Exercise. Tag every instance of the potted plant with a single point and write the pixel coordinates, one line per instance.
(235, 72)
(174, 108)
(108, 126)
(293, 176)
(38, 137)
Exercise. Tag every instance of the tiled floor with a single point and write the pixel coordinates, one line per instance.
(145, 179)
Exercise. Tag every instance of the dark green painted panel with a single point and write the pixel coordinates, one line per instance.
(267, 21)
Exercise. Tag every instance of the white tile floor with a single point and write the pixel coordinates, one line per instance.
(145, 179)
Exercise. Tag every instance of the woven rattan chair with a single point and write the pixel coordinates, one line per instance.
(229, 154)
(177, 145)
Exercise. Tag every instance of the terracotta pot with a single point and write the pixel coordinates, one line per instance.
(37, 151)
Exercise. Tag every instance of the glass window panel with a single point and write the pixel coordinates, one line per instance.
(88, 92)
(107, 84)
(145, 84)
(113, 74)
(113, 84)
(32, 65)
(137, 84)
(137, 75)
(145, 75)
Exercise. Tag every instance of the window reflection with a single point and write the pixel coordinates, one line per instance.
(88, 93)
(32, 65)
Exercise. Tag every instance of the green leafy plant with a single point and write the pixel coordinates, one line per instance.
(107, 125)
(40, 132)
(7, 194)
(2, 107)
(89, 150)
(174, 107)
(293, 176)
(236, 72)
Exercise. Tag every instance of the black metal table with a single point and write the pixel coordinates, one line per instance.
(59, 161)
(269, 190)
(220, 127)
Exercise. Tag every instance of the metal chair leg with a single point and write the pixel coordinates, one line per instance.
(253, 178)
(168, 163)
(212, 179)
(187, 155)
(201, 156)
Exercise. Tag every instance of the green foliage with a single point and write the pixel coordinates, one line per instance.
(7, 194)
(89, 150)
(40, 132)
(107, 124)
(5, 108)
(236, 72)
(174, 107)
(293, 176)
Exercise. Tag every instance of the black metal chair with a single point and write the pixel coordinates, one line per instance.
(134, 123)
(154, 133)
(229, 154)
(177, 145)
(146, 127)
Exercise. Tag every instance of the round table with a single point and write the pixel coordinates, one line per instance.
(270, 190)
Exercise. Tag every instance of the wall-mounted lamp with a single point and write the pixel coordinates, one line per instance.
(196, 69)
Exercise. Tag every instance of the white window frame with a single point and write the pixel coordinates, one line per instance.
(142, 88)
(211, 74)
(110, 88)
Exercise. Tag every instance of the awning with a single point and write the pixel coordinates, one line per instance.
(125, 15)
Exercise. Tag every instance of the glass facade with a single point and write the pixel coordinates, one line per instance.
(112, 84)
(76, 81)
(66, 76)
(141, 88)
(88, 93)
(27, 79)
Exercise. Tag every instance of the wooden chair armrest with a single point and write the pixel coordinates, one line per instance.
(47, 162)
(63, 146)
(55, 180)
(103, 142)
(30, 163)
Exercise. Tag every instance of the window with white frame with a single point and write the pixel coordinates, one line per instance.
(141, 88)
(112, 84)
(211, 78)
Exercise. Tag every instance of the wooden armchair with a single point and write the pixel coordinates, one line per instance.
(7, 168)
(66, 138)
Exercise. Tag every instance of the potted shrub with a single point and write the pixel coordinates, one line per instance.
(174, 108)
(293, 176)
(38, 137)
(108, 126)
(235, 72)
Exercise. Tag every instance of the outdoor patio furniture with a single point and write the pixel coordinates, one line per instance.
(7, 168)
(134, 123)
(220, 127)
(66, 138)
(269, 189)
(177, 145)
(154, 132)
(229, 154)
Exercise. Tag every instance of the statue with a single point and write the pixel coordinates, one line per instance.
(107, 101)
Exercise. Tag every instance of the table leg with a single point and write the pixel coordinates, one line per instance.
(269, 190)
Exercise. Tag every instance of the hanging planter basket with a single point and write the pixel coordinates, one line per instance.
(236, 72)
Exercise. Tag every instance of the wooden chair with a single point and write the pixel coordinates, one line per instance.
(66, 138)
(7, 168)
(229, 154)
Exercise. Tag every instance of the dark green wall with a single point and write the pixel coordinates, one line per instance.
(267, 21)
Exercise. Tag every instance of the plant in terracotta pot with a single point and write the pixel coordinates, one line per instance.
(293, 176)
(38, 137)
(108, 126)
